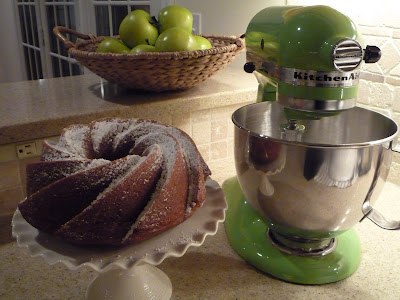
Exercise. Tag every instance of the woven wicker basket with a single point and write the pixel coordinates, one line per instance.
(153, 71)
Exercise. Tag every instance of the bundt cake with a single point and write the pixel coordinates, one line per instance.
(114, 182)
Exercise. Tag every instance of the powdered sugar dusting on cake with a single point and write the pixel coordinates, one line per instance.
(193, 159)
(106, 140)
(75, 139)
(103, 132)
(143, 214)
(124, 135)
(53, 151)
(132, 162)
(168, 144)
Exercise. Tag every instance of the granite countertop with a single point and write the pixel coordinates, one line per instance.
(81, 99)
(211, 271)
(215, 271)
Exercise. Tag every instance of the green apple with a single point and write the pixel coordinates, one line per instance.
(137, 28)
(143, 49)
(175, 16)
(175, 39)
(112, 45)
(202, 42)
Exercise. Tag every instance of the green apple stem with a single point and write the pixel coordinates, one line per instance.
(154, 22)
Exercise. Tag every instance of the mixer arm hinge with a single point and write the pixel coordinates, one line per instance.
(249, 67)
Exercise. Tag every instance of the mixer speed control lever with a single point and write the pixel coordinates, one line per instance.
(372, 54)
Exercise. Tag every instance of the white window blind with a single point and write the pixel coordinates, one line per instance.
(44, 55)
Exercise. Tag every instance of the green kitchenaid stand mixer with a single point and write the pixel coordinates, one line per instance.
(310, 164)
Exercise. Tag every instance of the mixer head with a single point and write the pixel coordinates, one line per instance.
(306, 58)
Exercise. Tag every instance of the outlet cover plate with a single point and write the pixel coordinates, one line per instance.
(26, 150)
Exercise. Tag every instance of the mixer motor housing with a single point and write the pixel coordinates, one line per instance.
(307, 58)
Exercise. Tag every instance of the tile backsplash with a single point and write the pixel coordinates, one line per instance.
(211, 130)
(379, 88)
(379, 23)
(11, 191)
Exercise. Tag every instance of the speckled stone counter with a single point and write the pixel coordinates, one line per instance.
(36, 109)
(215, 271)
(33, 110)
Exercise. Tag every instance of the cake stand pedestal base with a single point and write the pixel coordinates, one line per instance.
(139, 282)
(128, 272)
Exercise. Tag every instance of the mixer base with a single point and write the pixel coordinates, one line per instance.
(246, 233)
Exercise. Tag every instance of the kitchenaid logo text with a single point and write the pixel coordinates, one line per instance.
(311, 78)
(319, 79)
(325, 77)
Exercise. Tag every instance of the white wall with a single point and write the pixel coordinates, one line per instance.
(379, 88)
(11, 64)
(227, 17)
(378, 21)
(221, 17)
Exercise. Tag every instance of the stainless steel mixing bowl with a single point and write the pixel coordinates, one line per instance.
(313, 179)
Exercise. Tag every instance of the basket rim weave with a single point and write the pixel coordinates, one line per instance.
(236, 45)
(155, 71)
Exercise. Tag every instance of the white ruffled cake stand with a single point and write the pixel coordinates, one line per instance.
(128, 272)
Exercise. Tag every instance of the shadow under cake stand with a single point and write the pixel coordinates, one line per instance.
(128, 272)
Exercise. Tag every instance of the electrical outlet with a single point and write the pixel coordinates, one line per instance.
(26, 150)
(196, 23)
